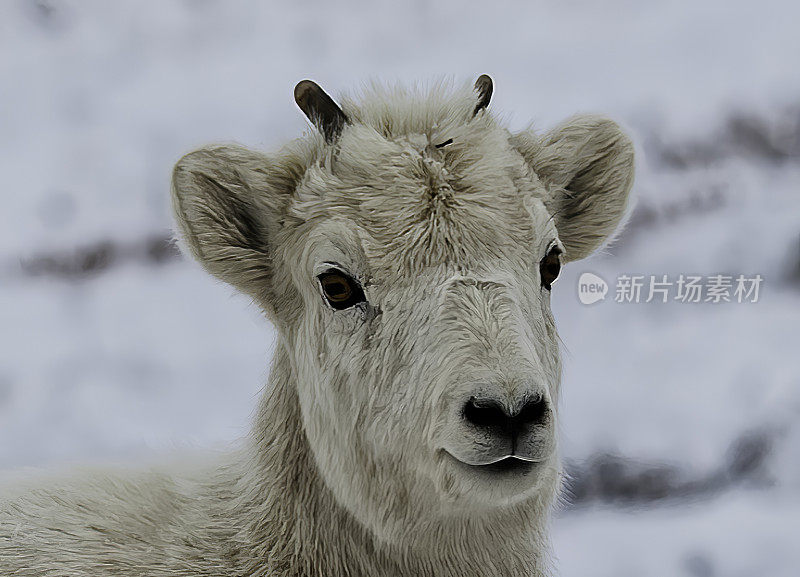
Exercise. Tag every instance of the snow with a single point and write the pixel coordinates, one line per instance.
(98, 100)
(737, 535)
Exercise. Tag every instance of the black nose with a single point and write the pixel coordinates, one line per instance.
(492, 415)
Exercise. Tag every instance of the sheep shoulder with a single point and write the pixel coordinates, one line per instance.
(112, 522)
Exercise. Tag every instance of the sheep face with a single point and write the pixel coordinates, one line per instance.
(408, 259)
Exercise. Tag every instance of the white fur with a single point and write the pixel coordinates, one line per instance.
(352, 466)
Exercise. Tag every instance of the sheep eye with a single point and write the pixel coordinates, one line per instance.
(550, 267)
(340, 290)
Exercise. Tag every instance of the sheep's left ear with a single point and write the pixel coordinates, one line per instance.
(587, 166)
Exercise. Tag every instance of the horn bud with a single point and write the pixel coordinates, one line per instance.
(484, 87)
(320, 109)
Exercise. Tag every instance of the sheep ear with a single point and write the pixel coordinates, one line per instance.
(587, 164)
(228, 201)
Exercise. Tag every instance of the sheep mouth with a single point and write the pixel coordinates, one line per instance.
(509, 465)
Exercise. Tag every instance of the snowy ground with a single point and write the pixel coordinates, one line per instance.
(681, 421)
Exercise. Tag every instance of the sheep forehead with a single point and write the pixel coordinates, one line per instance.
(419, 206)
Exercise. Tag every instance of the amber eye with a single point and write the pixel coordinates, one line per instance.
(550, 267)
(340, 290)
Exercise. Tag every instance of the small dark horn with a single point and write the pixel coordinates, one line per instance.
(320, 109)
(484, 87)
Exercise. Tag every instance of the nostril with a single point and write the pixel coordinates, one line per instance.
(532, 412)
(485, 413)
(491, 414)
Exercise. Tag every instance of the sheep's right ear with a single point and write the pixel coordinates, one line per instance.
(228, 201)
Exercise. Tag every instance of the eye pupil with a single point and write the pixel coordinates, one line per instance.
(337, 290)
(340, 290)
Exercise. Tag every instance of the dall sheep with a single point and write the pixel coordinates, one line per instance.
(405, 253)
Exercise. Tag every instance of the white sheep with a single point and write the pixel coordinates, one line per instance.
(405, 253)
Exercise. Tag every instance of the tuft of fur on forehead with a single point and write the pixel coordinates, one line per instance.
(420, 203)
(396, 110)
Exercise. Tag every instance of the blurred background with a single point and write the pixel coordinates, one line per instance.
(680, 420)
